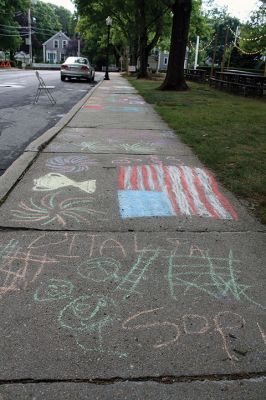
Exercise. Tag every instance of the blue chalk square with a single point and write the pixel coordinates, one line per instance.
(141, 203)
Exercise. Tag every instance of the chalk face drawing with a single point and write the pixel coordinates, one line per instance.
(159, 190)
(51, 209)
(55, 289)
(54, 181)
(71, 164)
(100, 270)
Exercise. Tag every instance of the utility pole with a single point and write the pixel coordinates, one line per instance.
(225, 45)
(29, 38)
(196, 54)
(78, 44)
(234, 44)
(214, 54)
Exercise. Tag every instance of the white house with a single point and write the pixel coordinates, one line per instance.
(54, 49)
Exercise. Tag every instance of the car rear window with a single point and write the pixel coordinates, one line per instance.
(75, 60)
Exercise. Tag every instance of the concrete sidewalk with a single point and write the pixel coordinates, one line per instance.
(127, 271)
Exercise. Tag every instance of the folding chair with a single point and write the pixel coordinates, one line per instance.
(43, 88)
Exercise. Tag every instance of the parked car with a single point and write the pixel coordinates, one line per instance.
(77, 67)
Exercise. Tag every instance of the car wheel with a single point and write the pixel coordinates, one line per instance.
(63, 78)
(92, 78)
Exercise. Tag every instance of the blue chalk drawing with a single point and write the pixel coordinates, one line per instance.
(141, 203)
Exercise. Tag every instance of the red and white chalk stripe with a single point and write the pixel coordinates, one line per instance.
(192, 191)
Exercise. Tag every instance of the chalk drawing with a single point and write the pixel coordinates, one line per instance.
(132, 279)
(262, 332)
(52, 210)
(214, 276)
(126, 325)
(100, 269)
(225, 323)
(54, 289)
(89, 315)
(221, 329)
(96, 147)
(19, 267)
(189, 191)
(54, 181)
(128, 109)
(94, 107)
(71, 164)
(93, 307)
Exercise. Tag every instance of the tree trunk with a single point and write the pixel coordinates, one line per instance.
(175, 79)
(143, 41)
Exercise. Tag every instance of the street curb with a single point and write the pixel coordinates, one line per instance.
(18, 168)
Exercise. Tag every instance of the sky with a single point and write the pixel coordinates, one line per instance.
(236, 8)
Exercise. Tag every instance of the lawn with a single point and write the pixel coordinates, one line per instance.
(227, 132)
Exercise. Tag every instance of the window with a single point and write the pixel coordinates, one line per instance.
(165, 61)
(64, 44)
(56, 44)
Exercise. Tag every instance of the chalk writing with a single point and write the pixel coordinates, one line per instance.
(93, 305)
(52, 210)
(71, 164)
(18, 268)
(54, 181)
(153, 325)
(100, 269)
(224, 323)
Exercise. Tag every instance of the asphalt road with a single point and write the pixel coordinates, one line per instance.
(21, 121)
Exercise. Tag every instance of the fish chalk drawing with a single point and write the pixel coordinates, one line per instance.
(55, 181)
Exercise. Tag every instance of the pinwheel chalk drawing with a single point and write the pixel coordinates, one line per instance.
(73, 164)
(53, 210)
(54, 181)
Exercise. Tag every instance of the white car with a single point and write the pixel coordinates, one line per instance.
(77, 67)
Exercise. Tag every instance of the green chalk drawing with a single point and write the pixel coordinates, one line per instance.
(87, 316)
(131, 281)
(96, 147)
(8, 249)
(99, 269)
(211, 275)
(54, 289)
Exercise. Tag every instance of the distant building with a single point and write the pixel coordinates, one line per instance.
(55, 48)
(158, 60)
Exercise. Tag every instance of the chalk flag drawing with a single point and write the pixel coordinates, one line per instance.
(70, 163)
(160, 190)
(52, 210)
(55, 181)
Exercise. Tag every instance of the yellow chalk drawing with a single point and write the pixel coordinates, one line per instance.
(55, 181)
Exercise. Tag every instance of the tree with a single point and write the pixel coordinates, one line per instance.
(174, 79)
(9, 29)
(139, 22)
(253, 33)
